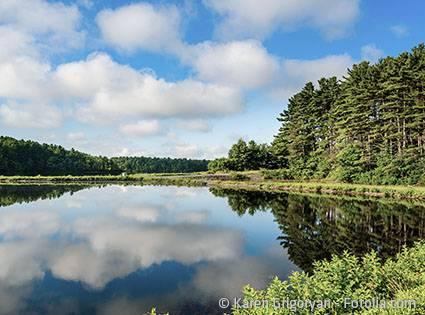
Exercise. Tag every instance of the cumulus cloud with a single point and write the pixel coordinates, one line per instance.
(30, 115)
(371, 53)
(50, 22)
(24, 77)
(14, 42)
(198, 125)
(95, 268)
(109, 90)
(245, 64)
(252, 18)
(142, 128)
(141, 26)
(110, 246)
(15, 224)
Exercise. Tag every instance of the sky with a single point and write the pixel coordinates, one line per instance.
(179, 78)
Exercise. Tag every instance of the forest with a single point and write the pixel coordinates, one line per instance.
(368, 127)
(28, 158)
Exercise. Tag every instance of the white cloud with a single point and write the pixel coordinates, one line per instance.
(76, 136)
(145, 214)
(197, 125)
(14, 42)
(17, 223)
(371, 53)
(142, 128)
(24, 77)
(295, 73)
(399, 30)
(50, 22)
(183, 149)
(109, 91)
(20, 262)
(30, 115)
(95, 268)
(192, 217)
(141, 26)
(245, 64)
(109, 245)
(253, 18)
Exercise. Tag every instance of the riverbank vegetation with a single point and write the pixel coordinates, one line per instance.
(347, 277)
(367, 128)
(248, 180)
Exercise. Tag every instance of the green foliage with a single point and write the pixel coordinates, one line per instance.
(238, 176)
(143, 164)
(19, 157)
(349, 277)
(220, 164)
(349, 164)
(367, 128)
(246, 156)
(279, 174)
(29, 158)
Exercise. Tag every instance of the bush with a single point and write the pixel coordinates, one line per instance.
(282, 174)
(349, 277)
(221, 164)
(238, 176)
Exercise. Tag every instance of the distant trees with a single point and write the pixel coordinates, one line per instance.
(246, 156)
(20, 157)
(368, 127)
(159, 165)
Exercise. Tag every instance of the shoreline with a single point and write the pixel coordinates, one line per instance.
(253, 182)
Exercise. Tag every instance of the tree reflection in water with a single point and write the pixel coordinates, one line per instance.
(315, 227)
(11, 194)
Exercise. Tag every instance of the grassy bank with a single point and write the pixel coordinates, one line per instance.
(329, 188)
(242, 180)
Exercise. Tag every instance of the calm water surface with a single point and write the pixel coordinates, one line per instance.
(125, 249)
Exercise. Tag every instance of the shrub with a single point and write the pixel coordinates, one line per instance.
(349, 277)
(282, 174)
(238, 176)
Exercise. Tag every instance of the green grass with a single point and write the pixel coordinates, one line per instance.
(251, 180)
(66, 179)
(326, 187)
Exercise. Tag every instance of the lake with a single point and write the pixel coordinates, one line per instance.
(71, 249)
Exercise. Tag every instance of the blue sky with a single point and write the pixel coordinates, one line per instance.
(179, 78)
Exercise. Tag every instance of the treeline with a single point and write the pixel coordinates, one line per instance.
(247, 156)
(27, 158)
(159, 165)
(367, 128)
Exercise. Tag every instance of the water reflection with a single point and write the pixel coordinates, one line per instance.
(315, 227)
(126, 249)
(122, 250)
(11, 194)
